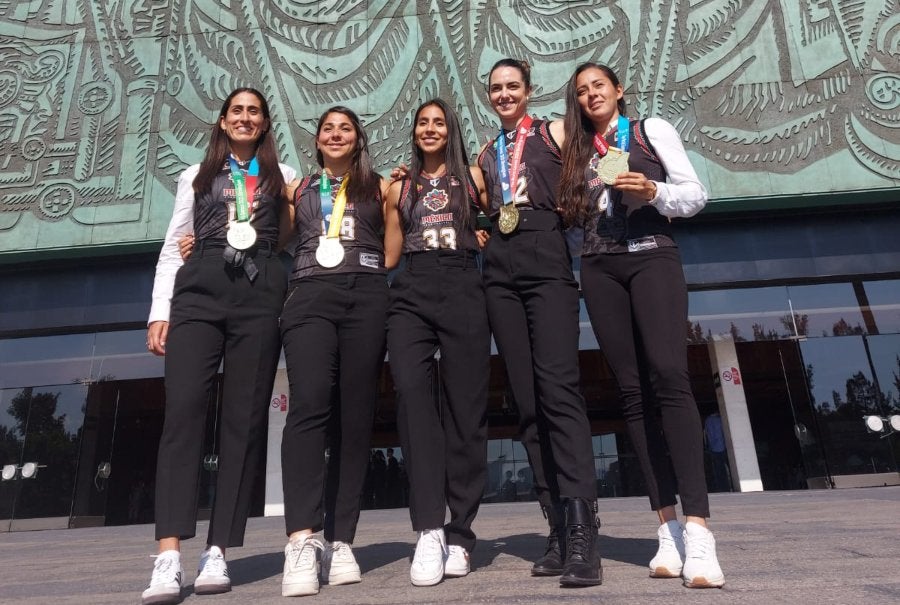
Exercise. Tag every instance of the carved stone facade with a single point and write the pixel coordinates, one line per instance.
(104, 102)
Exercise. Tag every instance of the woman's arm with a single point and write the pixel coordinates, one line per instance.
(393, 234)
(683, 195)
(286, 216)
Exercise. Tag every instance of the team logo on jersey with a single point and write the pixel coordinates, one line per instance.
(436, 200)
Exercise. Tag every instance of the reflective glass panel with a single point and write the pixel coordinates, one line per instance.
(826, 310)
(747, 314)
(884, 301)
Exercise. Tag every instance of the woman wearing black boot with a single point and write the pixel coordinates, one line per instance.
(532, 300)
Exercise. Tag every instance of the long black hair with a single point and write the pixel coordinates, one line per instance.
(578, 148)
(364, 181)
(272, 181)
(454, 153)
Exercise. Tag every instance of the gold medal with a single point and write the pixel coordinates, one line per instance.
(611, 165)
(509, 218)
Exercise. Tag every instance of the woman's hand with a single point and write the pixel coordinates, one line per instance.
(637, 184)
(399, 172)
(156, 337)
(185, 247)
(482, 236)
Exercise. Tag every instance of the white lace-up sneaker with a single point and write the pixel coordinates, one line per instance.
(212, 573)
(457, 564)
(427, 567)
(165, 583)
(701, 567)
(301, 567)
(669, 559)
(339, 566)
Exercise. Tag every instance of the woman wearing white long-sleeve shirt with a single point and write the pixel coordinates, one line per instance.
(223, 303)
(636, 297)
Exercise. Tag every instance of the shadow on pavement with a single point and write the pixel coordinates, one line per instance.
(528, 547)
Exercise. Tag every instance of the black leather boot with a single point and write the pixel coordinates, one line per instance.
(551, 564)
(582, 559)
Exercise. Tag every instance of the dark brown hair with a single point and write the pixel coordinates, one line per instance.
(578, 148)
(364, 181)
(272, 181)
(522, 66)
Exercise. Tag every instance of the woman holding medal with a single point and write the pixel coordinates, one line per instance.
(532, 301)
(437, 303)
(333, 329)
(222, 303)
(622, 181)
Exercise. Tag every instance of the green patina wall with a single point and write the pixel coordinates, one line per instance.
(104, 102)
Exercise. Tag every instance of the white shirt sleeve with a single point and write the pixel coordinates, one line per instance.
(683, 194)
(288, 173)
(169, 257)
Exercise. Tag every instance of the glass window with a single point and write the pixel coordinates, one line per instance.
(746, 313)
(826, 310)
(884, 301)
(44, 360)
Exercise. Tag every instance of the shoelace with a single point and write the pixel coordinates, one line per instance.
(429, 550)
(164, 571)
(304, 555)
(215, 566)
(341, 552)
(698, 547)
(578, 539)
(552, 541)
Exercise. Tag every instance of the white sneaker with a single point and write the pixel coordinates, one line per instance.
(165, 583)
(669, 559)
(339, 566)
(701, 567)
(457, 564)
(427, 567)
(212, 573)
(301, 567)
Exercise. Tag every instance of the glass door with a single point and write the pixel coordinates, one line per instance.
(41, 434)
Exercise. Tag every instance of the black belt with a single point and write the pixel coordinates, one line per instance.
(441, 258)
(235, 259)
(532, 220)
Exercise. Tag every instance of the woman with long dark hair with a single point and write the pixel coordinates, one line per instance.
(622, 182)
(532, 300)
(222, 303)
(437, 304)
(333, 329)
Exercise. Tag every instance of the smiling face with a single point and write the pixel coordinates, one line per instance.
(508, 94)
(431, 130)
(598, 97)
(336, 139)
(244, 121)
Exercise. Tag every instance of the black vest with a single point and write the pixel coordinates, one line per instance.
(540, 168)
(610, 235)
(213, 208)
(431, 214)
(362, 232)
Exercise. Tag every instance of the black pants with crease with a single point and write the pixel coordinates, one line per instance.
(532, 300)
(217, 312)
(333, 328)
(437, 303)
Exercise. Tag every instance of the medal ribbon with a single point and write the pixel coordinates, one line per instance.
(244, 188)
(506, 170)
(333, 207)
(623, 140)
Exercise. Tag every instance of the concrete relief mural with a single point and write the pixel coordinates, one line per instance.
(104, 102)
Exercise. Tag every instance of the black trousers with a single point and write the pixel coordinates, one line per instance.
(333, 328)
(532, 301)
(437, 303)
(216, 311)
(637, 303)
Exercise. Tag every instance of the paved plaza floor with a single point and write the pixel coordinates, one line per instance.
(828, 546)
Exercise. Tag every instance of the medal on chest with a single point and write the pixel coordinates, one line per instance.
(239, 233)
(508, 174)
(330, 251)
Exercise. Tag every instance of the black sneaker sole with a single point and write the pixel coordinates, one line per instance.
(545, 571)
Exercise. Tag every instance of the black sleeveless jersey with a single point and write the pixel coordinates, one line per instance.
(539, 170)
(362, 232)
(431, 214)
(610, 235)
(214, 208)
